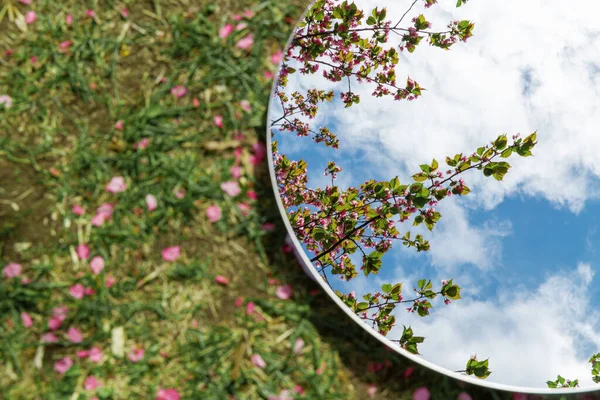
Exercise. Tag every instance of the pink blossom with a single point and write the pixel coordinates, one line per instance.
(222, 280)
(241, 26)
(519, 396)
(218, 120)
(116, 185)
(236, 17)
(252, 194)
(136, 354)
(83, 251)
(421, 393)
(119, 125)
(142, 144)
(250, 308)
(95, 354)
(298, 389)
(26, 318)
(268, 75)
(63, 365)
(260, 153)
(213, 213)
(179, 193)
(246, 42)
(60, 312)
(283, 395)
(244, 208)
(408, 372)
(83, 353)
(124, 12)
(49, 338)
(225, 31)
(11, 270)
(97, 264)
(151, 202)
(298, 346)
(92, 383)
(258, 361)
(30, 17)
(268, 226)
(372, 391)
(26, 2)
(77, 291)
(195, 102)
(98, 219)
(245, 104)
(54, 323)
(236, 172)
(464, 396)
(90, 13)
(179, 91)
(69, 19)
(232, 188)
(6, 100)
(89, 291)
(110, 280)
(167, 394)
(65, 45)
(77, 209)
(171, 253)
(284, 292)
(248, 14)
(277, 57)
(33, 59)
(74, 335)
(239, 301)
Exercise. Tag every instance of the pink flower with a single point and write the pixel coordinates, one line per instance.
(244, 208)
(283, 395)
(119, 125)
(90, 13)
(421, 393)
(372, 391)
(298, 389)
(63, 365)
(222, 280)
(30, 17)
(268, 226)
(74, 335)
(464, 396)
(284, 292)
(97, 264)
(237, 17)
(179, 91)
(241, 26)
(218, 120)
(124, 13)
(225, 31)
(49, 338)
(268, 75)
(60, 313)
(519, 396)
(260, 153)
(69, 19)
(245, 104)
(92, 383)
(246, 42)
(277, 57)
(26, 2)
(95, 354)
(248, 14)
(6, 100)
(11, 270)
(179, 193)
(142, 144)
(239, 301)
(83, 251)
(408, 372)
(54, 323)
(77, 291)
(136, 354)
(110, 280)
(250, 308)
(77, 210)
(33, 59)
(298, 346)
(83, 353)
(213, 213)
(98, 219)
(116, 185)
(232, 188)
(27, 321)
(236, 172)
(65, 45)
(252, 194)
(258, 361)
(151, 202)
(167, 394)
(171, 253)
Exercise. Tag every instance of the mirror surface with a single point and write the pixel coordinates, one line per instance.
(481, 139)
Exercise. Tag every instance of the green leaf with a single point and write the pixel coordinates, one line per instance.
(362, 306)
(501, 142)
(506, 153)
(386, 287)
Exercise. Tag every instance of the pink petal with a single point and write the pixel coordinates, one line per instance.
(236, 172)
(179, 91)
(95, 354)
(83, 251)
(167, 394)
(136, 354)
(258, 361)
(268, 75)
(97, 264)
(89, 291)
(49, 338)
(464, 396)
(222, 280)
(92, 383)
(252, 195)
(77, 291)
(124, 13)
(69, 19)
(372, 391)
(239, 301)
(30, 17)
(110, 280)
(195, 102)
(12, 270)
(250, 308)
(408, 372)
(421, 393)
(26, 2)
(225, 31)
(284, 292)
(54, 323)
(268, 226)
(232, 188)
(248, 14)
(116, 185)
(179, 193)
(98, 219)
(277, 57)
(246, 42)
(90, 13)
(119, 125)
(63, 365)
(74, 335)
(241, 26)
(142, 144)
(60, 312)
(213, 213)
(26, 318)
(245, 104)
(218, 120)
(151, 202)
(298, 346)
(83, 353)
(77, 209)
(244, 208)
(171, 253)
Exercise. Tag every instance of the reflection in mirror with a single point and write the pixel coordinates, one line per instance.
(437, 160)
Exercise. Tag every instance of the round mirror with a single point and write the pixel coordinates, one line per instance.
(437, 165)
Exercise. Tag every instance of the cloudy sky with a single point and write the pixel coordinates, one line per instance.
(524, 250)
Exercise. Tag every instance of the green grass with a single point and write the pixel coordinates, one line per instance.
(59, 147)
